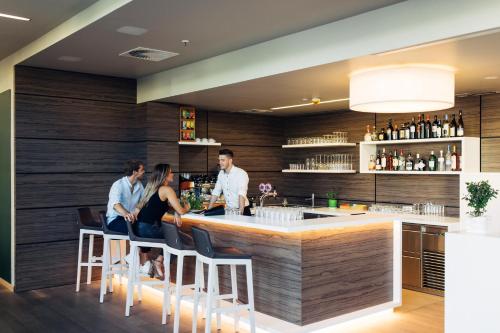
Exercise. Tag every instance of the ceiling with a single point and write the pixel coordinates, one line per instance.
(44, 14)
(213, 27)
(474, 58)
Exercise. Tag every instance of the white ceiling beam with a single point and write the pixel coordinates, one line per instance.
(402, 25)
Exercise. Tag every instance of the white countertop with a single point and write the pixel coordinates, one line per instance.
(341, 218)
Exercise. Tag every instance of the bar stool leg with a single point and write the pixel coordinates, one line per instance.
(217, 292)
(210, 297)
(166, 287)
(178, 292)
(234, 290)
(79, 267)
(110, 266)
(121, 260)
(250, 296)
(198, 275)
(89, 260)
(138, 275)
(105, 268)
(130, 282)
(202, 286)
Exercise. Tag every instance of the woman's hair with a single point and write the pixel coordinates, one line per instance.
(160, 173)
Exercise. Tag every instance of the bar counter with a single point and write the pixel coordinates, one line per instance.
(329, 269)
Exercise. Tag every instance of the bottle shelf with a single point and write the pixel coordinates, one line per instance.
(317, 171)
(319, 145)
(454, 173)
(412, 141)
(194, 143)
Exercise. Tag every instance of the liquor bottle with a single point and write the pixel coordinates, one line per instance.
(374, 134)
(389, 162)
(454, 159)
(395, 133)
(422, 127)
(381, 134)
(407, 131)
(402, 131)
(453, 127)
(402, 161)
(368, 135)
(416, 165)
(388, 131)
(413, 128)
(441, 166)
(447, 163)
(378, 166)
(383, 160)
(446, 127)
(409, 162)
(439, 131)
(460, 127)
(434, 127)
(428, 128)
(419, 163)
(395, 160)
(432, 162)
(371, 164)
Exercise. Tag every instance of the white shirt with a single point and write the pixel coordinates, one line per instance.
(232, 184)
(121, 192)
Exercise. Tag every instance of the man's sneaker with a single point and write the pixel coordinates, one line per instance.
(145, 270)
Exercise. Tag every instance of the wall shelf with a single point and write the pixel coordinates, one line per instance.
(317, 171)
(319, 145)
(469, 149)
(194, 143)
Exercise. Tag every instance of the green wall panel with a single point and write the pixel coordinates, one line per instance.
(5, 178)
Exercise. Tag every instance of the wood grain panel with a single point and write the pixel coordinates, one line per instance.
(411, 189)
(52, 156)
(193, 159)
(243, 129)
(51, 264)
(64, 118)
(61, 190)
(490, 116)
(252, 158)
(348, 186)
(275, 178)
(162, 152)
(470, 107)
(162, 122)
(345, 271)
(47, 225)
(49, 82)
(490, 155)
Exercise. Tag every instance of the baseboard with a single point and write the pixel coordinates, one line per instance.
(6, 285)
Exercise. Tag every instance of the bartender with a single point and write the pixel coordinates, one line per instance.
(233, 182)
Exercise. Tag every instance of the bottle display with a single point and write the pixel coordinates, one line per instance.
(446, 127)
(441, 165)
(460, 125)
(432, 162)
(368, 135)
(453, 126)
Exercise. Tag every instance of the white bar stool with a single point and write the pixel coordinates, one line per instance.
(108, 268)
(88, 226)
(214, 257)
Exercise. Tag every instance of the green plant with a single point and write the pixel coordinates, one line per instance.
(331, 195)
(194, 201)
(479, 193)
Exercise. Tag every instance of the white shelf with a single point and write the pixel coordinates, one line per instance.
(319, 145)
(468, 149)
(317, 171)
(455, 173)
(411, 141)
(194, 143)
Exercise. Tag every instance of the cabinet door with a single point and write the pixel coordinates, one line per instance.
(412, 272)
(412, 240)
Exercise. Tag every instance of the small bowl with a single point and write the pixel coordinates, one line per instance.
(211, 140)
(198, 140)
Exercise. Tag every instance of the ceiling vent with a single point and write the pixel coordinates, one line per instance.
(145, 53)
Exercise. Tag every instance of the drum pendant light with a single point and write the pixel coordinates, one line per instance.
(399, 89)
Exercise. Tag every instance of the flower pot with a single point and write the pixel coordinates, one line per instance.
(332, 203)
(477, 224)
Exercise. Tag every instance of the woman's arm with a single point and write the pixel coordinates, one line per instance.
(167, 193)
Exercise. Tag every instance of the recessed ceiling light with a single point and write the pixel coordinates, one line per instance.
(185, 42)
(69, 58)
(130, 30)
(491, 77)
(312, 103)
(14, 17)
(305, 99)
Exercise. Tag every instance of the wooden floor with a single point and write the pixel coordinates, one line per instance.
(60, 309)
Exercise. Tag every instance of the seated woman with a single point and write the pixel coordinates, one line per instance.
(154, 204)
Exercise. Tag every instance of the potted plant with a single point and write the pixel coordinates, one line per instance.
(478, 196)
(332, 199)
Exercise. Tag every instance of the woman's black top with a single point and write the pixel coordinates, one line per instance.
(153, 210)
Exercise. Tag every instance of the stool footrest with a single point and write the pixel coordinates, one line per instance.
(93, 264)
(223, 297)
(234, 308)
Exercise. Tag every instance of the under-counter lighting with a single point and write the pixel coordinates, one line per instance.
(402, 88)
(311, 103)
(493, 77)
(14, 17)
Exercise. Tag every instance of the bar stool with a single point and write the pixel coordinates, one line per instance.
(108, 268)
(207, 254)
(177, 247)
(134, 278)
(88, 226)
